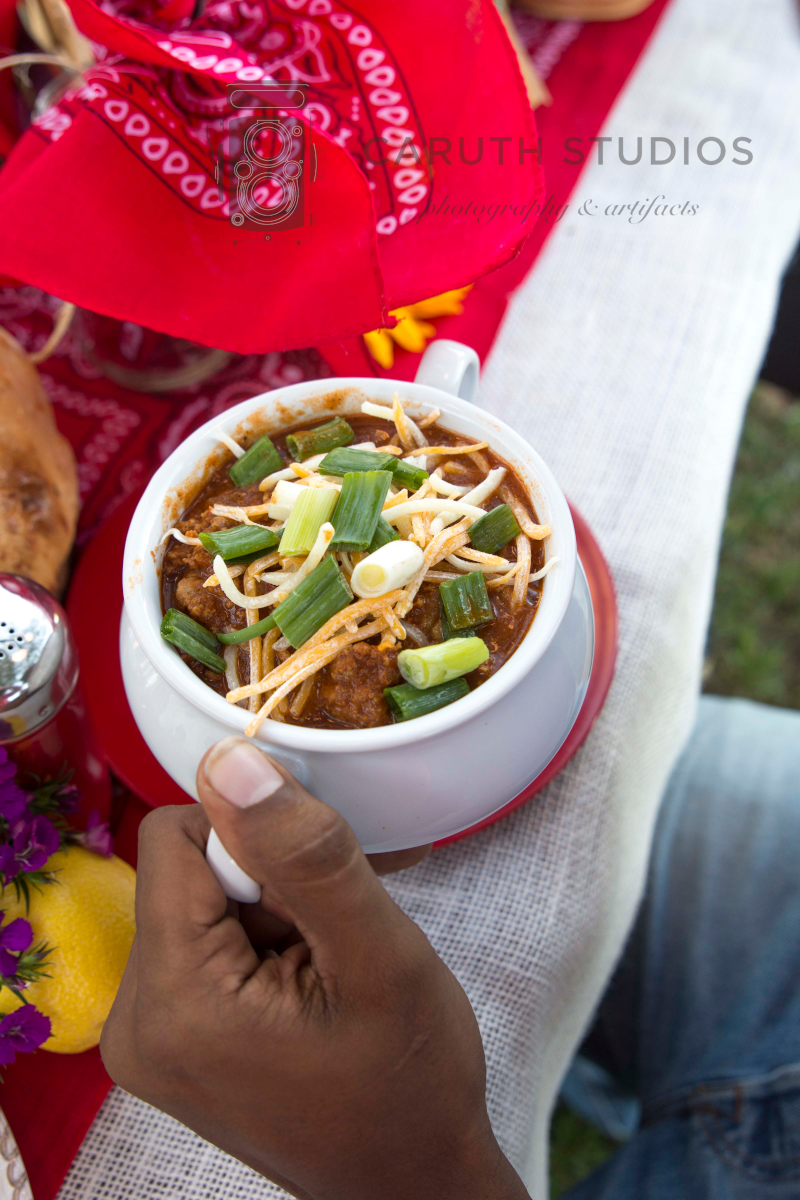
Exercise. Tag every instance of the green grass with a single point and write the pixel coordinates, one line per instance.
(753, 642)
(576, 1149)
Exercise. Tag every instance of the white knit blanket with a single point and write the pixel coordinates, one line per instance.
(626, 359)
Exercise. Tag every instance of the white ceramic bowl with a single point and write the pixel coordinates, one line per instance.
(383, 780)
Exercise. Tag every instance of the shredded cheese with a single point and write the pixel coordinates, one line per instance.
(416, 460)
(398, 498)
(551, 562)
(261, 564)
(394, 626)
(225, 580)
(245, 514)
(456, 449)
(319, 658)
(231, 671)
(302, 697)
(310, 652)
(254, 645)
(523, 571)
(381, 411)
(432, 504)
(277, 577)
(308, 464)
(480, 459)
(315, 556)
(480, 556)
(269, 481)
(234, 573)
(351, 615)
(453, 490)
(537, 532)
(410, 434)
(440, 546)
(478, 495)
(268, 643)
(429, 418)
(487, 487)
(324, 637)
(504, 580)
(180, 537)
(462, 565)
(233, 446)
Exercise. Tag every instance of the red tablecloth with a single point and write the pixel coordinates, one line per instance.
(120, 436)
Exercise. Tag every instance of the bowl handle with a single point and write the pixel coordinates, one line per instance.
(451, 367)
(236, 884)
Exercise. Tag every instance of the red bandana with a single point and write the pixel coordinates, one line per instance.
(127, 196)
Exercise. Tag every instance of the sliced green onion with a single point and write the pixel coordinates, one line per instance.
(176, 619)
(448, 633)
(341, 460)
(310, 510)
(384, 533)
(495, 530)
(242, 543)
(407, 475)
(355, 517)
(260, 460)
(317, 598)
(407, 702)
(193, 638)
(249, 631)
(307, 442)
(428, 666)
(465, 601)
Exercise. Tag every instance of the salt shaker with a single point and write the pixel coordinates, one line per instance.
(44, 722)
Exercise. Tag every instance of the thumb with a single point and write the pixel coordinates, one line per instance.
(310, 867)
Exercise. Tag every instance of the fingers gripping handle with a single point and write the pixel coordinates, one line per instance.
(255, 779)
(451, 367)
(236, 883)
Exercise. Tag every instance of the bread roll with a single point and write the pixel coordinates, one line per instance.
(38, 477)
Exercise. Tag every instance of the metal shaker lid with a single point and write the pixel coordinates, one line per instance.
(38, 659)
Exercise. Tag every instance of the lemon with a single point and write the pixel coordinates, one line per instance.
(86, 916)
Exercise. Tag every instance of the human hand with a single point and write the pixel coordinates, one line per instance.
(318, 1037)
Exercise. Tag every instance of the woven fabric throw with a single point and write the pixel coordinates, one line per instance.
(626, 359)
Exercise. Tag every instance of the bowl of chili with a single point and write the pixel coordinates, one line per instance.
(415, 648)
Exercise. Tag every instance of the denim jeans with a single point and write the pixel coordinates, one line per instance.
(701, 1022)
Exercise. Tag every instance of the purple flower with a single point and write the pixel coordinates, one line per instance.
(13, 800)
(22, 1031)
(14, 938)
(68, 798)
(97, 836)
(32, 843)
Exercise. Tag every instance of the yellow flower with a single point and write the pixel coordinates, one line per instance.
(413, 328)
